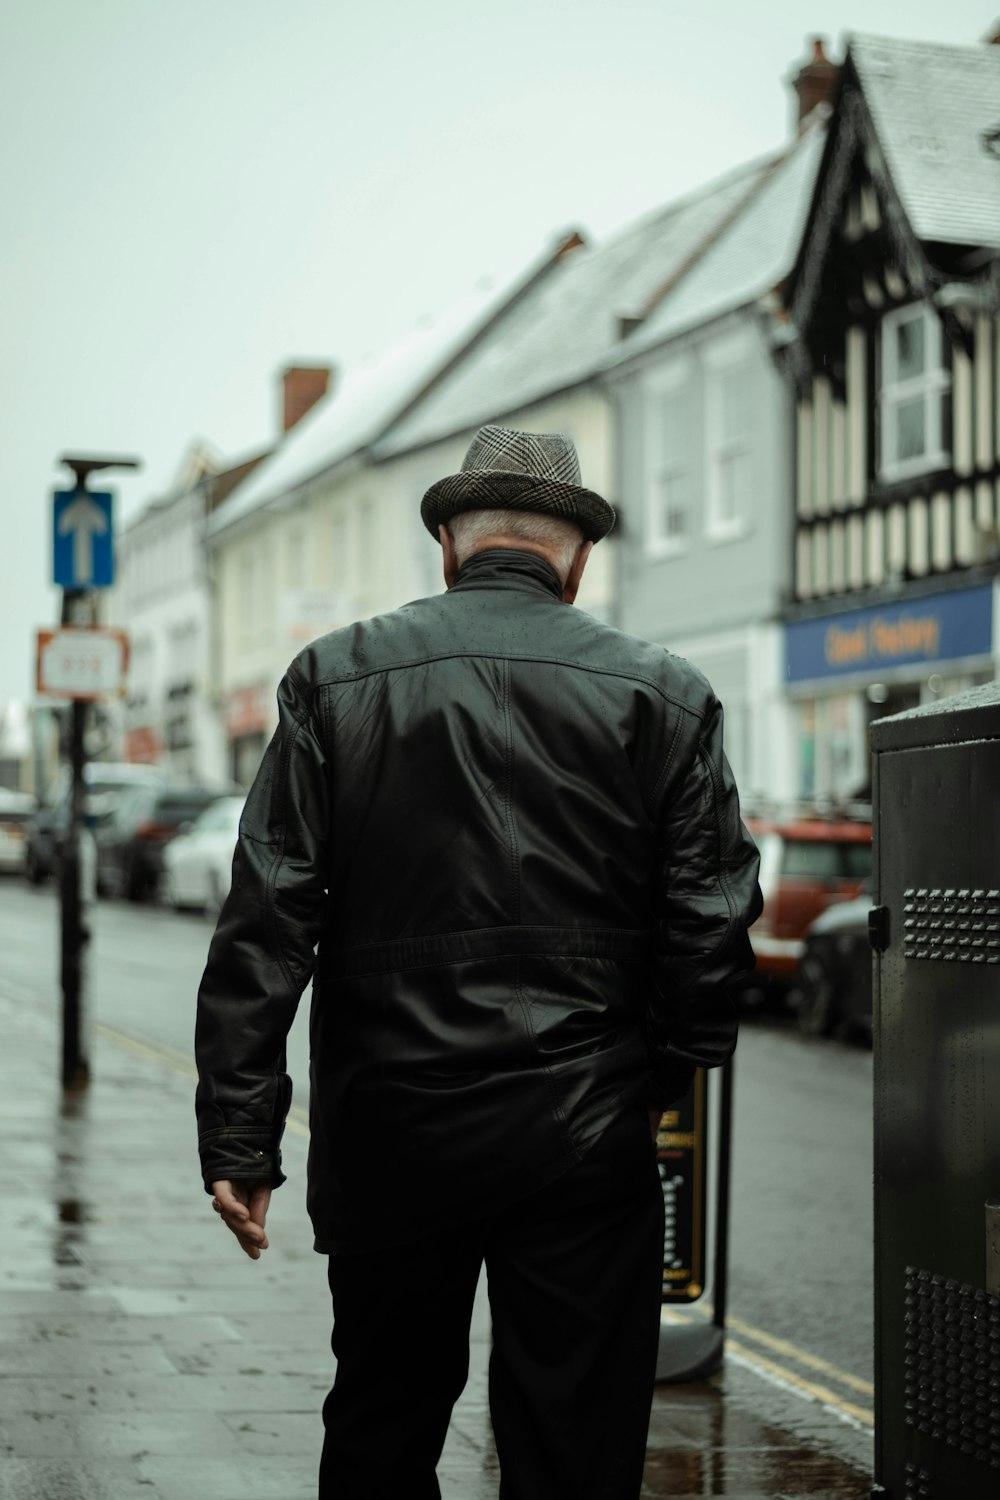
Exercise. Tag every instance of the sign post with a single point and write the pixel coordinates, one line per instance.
(82, 561)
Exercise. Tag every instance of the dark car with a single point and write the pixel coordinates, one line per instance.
(807, 863)
(103, 781)
(133, 833)
(834, 989)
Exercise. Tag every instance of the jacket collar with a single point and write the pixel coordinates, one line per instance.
(509, 568)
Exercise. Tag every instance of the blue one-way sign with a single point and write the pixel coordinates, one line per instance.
(82, 540)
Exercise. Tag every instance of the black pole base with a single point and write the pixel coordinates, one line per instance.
(688, 1352)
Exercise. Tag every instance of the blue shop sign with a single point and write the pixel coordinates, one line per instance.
(908, 633)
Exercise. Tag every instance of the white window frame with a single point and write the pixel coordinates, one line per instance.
(734, 356)
(932, 385)
(672, 378)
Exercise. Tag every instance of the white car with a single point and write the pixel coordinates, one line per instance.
(198, 863)
(15, 810)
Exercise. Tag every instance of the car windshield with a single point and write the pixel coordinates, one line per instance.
(826, 859)
(182, 807)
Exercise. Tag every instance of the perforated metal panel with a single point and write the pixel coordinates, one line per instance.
(952, 1364)
(952, 924)
(918, 1483)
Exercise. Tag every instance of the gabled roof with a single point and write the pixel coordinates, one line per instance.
(931, 106)
(751, 257)
(559, 337)
(372, 393)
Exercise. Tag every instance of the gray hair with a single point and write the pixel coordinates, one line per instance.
(472, 527)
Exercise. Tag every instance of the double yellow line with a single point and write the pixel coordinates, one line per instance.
(783, 1363)
(776, 1359)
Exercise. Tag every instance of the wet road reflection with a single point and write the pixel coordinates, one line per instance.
(705, 1441)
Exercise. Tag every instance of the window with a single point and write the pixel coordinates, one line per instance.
(669, 448)
(914, 381)
(182, 660)
(730, 476)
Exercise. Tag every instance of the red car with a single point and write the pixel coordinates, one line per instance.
(806, 864)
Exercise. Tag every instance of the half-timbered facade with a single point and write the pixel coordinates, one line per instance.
(893, 345)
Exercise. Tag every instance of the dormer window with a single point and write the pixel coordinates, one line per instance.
(914, 383)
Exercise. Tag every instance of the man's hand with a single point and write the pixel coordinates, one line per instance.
(243, 1206)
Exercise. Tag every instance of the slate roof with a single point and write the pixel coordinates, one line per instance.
(366, 398)
(753, 255)
(930, 105)
(559, 336)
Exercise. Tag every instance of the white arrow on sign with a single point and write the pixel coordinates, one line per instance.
(84, 520)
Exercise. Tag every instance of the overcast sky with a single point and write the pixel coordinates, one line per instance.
(197, 192)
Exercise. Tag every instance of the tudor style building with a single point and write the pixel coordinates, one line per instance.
(893, 345)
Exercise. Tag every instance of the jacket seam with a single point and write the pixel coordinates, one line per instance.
(546, 1067)
(723, 943)
(505, 926)
(230, 1130)
(479, 958)
(509, 793)
(512, 656)
(272, 874)
(668, 759)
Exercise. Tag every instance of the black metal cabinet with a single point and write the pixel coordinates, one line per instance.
(936, 929)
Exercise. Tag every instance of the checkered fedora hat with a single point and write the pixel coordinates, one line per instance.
(507, 470)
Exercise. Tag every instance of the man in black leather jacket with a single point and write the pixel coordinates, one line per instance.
(503, 840)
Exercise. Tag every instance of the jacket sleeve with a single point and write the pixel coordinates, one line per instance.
(708, 896)
(262, 954)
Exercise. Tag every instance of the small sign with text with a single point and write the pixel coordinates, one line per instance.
(85, 662)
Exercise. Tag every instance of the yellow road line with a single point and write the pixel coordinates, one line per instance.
(180, 1062)
(779, 1346)
(792, 1351)
(820, 1393)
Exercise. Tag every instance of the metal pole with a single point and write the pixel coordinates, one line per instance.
(75, 1064)
(721, 1275)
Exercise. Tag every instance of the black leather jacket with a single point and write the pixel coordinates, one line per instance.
(504, 839)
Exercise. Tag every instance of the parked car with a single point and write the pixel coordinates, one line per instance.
(806, 864)
(198, 863)
(834, 987)
(16, 809)
(102, 780)
(133, 834)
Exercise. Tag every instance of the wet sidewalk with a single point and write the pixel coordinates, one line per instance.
(141, 1354)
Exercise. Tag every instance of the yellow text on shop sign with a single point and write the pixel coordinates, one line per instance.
(883, 640)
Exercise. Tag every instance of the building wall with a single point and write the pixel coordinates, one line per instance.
(712, 592)
(862, 518)
(162, 600)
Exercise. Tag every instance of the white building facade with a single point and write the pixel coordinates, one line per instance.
(163, 601)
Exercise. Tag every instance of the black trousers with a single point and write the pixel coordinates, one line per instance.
(574, 1276)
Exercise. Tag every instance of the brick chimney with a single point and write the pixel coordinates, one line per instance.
(815, 82)
(301, 387)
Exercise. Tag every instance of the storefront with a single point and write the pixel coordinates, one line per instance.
(845, 669)
(249, 720)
